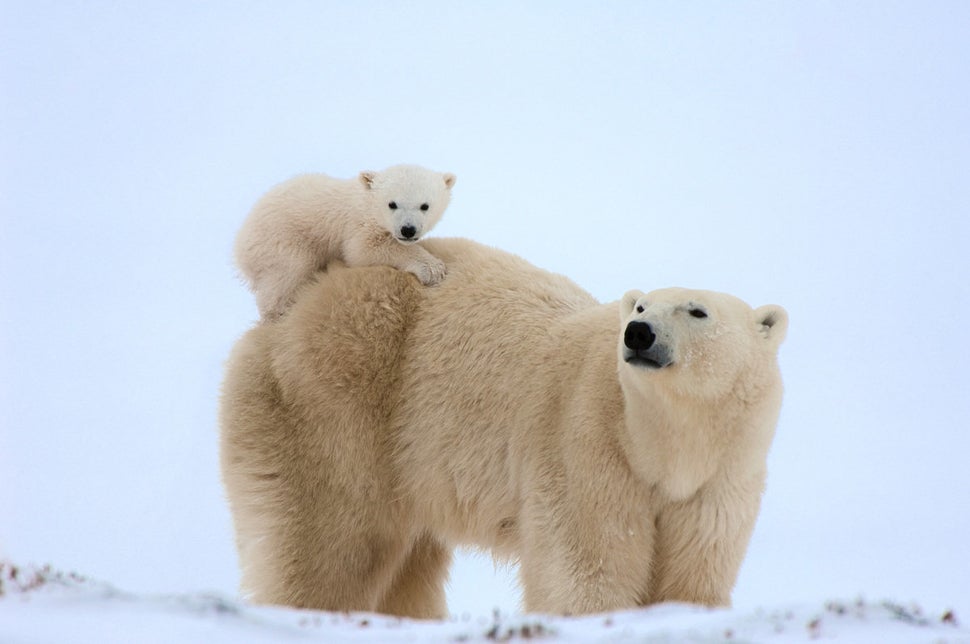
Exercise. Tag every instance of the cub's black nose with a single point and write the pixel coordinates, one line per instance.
(407, 232)
(638, 336)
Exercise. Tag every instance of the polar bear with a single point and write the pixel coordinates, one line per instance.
(303, 224)
(617, 451)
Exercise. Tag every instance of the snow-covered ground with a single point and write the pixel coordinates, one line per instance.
(40, 605)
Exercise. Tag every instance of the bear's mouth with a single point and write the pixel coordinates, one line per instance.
(644, 358)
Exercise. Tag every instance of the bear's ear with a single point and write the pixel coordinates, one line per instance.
(772, 321)
(367, 178)
(449, 180)
(628, 302)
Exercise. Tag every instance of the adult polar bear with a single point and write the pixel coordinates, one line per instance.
(618, 450)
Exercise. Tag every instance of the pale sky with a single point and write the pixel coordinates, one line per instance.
(810, 155)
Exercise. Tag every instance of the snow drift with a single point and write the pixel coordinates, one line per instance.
(43, 604)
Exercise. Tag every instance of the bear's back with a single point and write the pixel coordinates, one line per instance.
(488, 314)
(438, 379)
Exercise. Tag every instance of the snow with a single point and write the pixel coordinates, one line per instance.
(40, 605)
(813, 155)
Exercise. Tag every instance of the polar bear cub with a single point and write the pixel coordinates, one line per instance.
(303, 224)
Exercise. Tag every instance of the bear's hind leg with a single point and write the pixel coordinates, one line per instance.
(307, 557)
(350, 573)
(418, 589)
(276, 286)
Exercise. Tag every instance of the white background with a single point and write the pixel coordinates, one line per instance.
(812, 155)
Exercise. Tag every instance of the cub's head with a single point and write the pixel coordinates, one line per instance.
(698, 343)
(409, 198)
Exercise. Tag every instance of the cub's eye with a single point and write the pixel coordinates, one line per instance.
(698, 313)
(639, 308)
(424, 206)
(392, 205)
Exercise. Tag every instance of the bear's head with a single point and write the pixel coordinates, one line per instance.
(410, 198)
(699, 344)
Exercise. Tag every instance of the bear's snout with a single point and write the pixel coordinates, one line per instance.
(408, 232)
(642, 349)
(639, 336)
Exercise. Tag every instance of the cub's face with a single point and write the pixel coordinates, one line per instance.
(409, 199)
(696, 342)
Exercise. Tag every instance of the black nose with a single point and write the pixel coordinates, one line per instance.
(407, 232)
(638, 336)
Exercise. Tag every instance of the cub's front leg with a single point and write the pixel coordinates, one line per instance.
(374, 246)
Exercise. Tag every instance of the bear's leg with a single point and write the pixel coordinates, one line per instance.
(275, 287)
(418, 589)
(376, 248)
(351, 574)
(701, 544)
(312, 531)
(323, 562)
(582, 562)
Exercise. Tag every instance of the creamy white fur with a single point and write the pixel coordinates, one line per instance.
(303, 224)
(379, 424)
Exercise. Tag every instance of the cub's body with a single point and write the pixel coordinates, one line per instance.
(303, 224)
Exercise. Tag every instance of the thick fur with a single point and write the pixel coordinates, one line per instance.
(379, 424)
(303, 224)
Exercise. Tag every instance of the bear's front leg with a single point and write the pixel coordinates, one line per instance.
(426, 267)
(702, 541)
(415, 260)
(586, 562)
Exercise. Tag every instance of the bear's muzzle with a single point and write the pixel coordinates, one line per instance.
(640, 346)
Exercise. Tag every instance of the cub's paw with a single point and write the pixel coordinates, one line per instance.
(429, 272)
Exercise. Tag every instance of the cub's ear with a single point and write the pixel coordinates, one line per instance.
(449, 180)
(772, 322)
(367, 178)
(628, 302)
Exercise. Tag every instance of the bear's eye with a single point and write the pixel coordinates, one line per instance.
(698, 313)
(639, 308)
(392, 205)
(424, 206)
